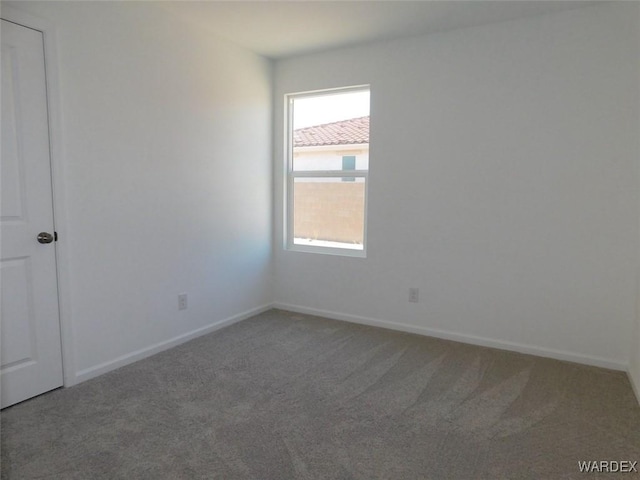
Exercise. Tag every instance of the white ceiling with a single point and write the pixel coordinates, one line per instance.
(280, 29)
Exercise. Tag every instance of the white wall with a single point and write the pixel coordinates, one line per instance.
(503, 184)
(166, 135)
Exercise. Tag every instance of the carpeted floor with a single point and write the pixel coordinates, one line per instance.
(288, 396)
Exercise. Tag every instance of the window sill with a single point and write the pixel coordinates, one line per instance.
(327, 248)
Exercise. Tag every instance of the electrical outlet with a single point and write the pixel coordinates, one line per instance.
(182, 301)
(413, 295)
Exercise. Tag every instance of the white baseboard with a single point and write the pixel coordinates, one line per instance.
(123, 360)
(461, 337)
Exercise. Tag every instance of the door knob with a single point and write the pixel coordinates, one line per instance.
(44, 237)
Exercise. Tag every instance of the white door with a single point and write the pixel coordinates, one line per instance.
(30, 351)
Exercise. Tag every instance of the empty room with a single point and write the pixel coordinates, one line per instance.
(320, 240)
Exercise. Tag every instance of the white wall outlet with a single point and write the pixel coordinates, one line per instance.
(413, 295)
(182, 301)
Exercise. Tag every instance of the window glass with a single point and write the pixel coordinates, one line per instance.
(328, 163)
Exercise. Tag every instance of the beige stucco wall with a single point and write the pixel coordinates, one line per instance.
(331, 211)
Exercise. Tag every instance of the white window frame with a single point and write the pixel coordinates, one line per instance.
(291, 175)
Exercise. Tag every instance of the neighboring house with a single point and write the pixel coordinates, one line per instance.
(325, 209)
(340, 145)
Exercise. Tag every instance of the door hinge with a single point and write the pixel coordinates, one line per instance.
(55, 236)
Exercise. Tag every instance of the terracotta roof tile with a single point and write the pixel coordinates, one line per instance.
(345, 132)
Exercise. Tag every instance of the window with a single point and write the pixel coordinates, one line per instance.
(327, 168)
(349, 163)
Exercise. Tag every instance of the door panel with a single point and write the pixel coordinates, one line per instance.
(16, 303)
(30, 352)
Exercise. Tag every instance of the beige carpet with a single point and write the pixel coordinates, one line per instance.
(288, 396)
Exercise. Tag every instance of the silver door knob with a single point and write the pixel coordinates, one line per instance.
(44, 237)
